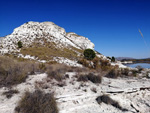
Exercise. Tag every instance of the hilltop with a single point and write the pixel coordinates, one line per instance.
(44, 42)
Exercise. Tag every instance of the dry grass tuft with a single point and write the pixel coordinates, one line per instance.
(10, 93)
(125, 71)
(91, 77)
(57, 71)
(14, 72)
(37, 102)
(49, 50)
(107, 100)
(94, 89)
(114, 73)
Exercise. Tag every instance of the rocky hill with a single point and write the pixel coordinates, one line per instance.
(30, 31)
(47, 37)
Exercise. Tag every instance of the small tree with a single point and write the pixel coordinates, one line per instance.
(89, 54)
(113, 59)
(20, 44)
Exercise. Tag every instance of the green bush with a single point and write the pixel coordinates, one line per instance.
(89, 54)
(113, 59)
(20, 44)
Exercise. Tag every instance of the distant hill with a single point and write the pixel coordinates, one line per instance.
(143, 60)
(121, 58)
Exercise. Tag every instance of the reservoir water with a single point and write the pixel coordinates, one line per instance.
(143, 65)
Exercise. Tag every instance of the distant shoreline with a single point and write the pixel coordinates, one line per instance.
(134, 61)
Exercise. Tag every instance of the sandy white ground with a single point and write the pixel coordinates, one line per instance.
(8, 105)
(77, 97)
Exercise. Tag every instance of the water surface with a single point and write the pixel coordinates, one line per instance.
(143, 65)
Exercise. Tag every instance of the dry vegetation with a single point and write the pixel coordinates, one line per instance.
(104, 68)
(37, 102)
(107, 100)
(10, 93)
(57, 71)
(49, 50)
(14, 72)
(114, 73)
(96, 63)
(90, 77)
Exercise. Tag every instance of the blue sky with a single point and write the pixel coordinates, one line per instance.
(112, 25)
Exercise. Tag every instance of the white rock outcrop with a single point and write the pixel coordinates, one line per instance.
(28, 32)
(81, 41)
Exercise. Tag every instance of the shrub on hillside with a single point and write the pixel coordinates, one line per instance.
(105, 65)
(20, 44)
(104, 62)
(125, 71)
(89, 54)
(113, 59)
(96, 63)
(113, 73)
(84, 62)
(57, 71)
(14, 72)
(37, 102)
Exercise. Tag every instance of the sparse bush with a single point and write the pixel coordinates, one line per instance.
(10, 93)
(129, 72)
(91, 77)
(19, 44)
(125, 71)
(89, 54)
(83, 78)
(96, 63)
(113, 73)
(37, 102)
(94, 78)
(57, 71)
(94, 89)
(107, 100)
(84, 62)
(139, 68)
(13, 72)
(105, 65)
(42, 67)
(104, 62)
(134, 73)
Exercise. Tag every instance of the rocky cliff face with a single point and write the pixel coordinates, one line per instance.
(31, 31)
